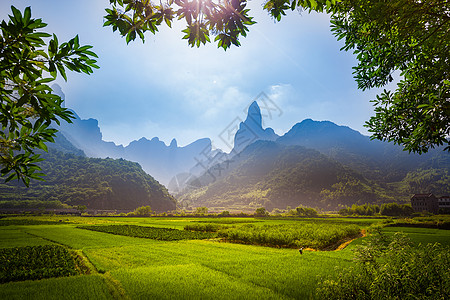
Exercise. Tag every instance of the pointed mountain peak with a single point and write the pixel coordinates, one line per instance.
(58, 91)
(254, 114)
(173, 143)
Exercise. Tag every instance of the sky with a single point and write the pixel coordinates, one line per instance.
(164, 88)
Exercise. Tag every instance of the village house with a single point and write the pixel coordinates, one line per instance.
(444, 204)
(425, 202)
(430, 203)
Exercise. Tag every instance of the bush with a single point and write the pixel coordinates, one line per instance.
(261, 212)
(361, 210)
(306, 212)
(143, 211)
(225, 213)
(395, 209)
(201, 211)
(393, 269)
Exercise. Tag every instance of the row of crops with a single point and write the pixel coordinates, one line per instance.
(307, 235)
(16, 221)
(38, 262)
(155, 233)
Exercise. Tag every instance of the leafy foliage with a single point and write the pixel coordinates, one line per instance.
(261, 212)
(227, 20)
(27, 105)
(361, 210)
(203, 210)
(386, 209)
(435, 181)
(38, 262)
(393, 269)
(155, 233)
(411, 37)
(142, 211)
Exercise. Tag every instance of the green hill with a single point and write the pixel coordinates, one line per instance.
(97, 183)
(276, 176)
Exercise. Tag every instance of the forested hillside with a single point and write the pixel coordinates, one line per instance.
(96, 183)
(276, 176)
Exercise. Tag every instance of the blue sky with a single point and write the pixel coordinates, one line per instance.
(166, 89)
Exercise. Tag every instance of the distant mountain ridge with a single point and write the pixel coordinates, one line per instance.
(375, 159)
(364, 169)
(156, 158)
(315, 163)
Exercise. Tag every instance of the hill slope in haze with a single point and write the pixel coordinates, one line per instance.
(276, 176)
(318, 164)
(162, 161)
(377, 160)
(74, 179)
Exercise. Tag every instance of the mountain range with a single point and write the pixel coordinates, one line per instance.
(162, 161)
(315, 163)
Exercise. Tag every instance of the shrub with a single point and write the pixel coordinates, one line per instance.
(395, 209)
(201, 210)
(261, 212)
(393, 269)
(143, 211)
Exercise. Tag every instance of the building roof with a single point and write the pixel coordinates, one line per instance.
(423, 195)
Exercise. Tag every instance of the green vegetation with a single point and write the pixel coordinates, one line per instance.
(92, 286)
(27, 105)
(38, 262)
(306, 235)
(143, 211)
(25, 221)
(155, 233)
(143, 268)
(385, 209)
(439, 221)
(74, 180)
(271, 175)
(393, 269)
(205, 227)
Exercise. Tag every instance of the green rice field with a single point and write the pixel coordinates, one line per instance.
(131, 267)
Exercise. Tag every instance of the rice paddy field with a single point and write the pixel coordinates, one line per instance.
(216, 258)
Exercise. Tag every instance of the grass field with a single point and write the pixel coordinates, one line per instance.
(141, 268)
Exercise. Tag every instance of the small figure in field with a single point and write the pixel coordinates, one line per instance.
(300, 250)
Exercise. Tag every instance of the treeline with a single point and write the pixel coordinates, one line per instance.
(96, 183)
(385, 209)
